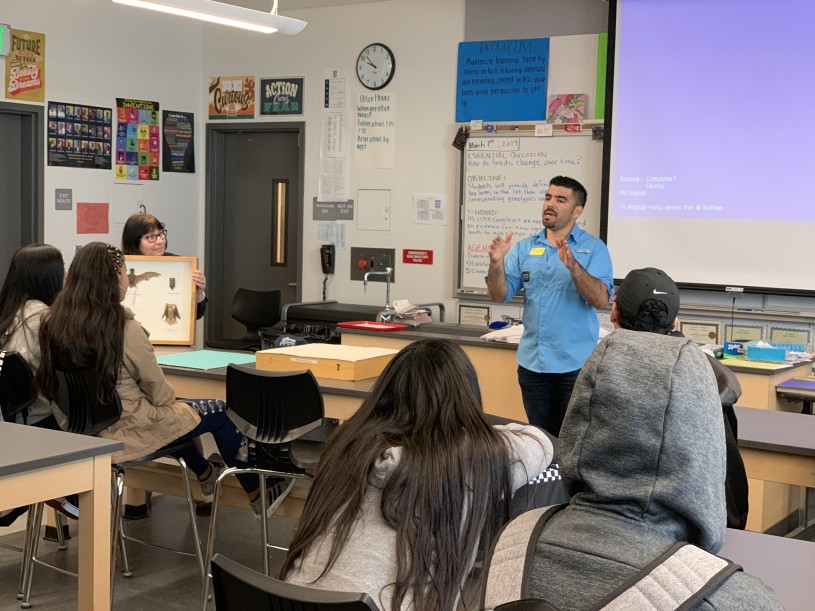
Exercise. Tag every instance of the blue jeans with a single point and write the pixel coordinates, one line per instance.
(546, 397)
(228, 438)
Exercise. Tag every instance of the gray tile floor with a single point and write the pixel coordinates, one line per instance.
(161, 580)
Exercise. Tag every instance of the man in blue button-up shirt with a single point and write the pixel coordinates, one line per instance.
(565, 273)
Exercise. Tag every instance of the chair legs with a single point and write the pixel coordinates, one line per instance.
(118, 536)
(264, 528)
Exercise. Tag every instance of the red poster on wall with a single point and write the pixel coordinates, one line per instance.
(92, 218)
(419, 257)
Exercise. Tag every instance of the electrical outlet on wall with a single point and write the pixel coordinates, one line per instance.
(365, 260)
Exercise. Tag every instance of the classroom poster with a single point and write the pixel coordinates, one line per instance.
(281, 96)
(25, 67)
(232, 97)
(376, 130)
(92, 218)
(137, 140)
(568, 108)
(79, 136)
(178, 144)
(502, 80)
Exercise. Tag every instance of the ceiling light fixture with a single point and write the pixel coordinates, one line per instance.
(224, 14)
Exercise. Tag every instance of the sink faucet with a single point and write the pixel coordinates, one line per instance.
(388, 313)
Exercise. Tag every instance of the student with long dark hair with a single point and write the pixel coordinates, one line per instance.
(33, 280)
(412, 485)
(144, 234)
(88, 327)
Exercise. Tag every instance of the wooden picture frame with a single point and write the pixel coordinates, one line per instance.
(162, 297)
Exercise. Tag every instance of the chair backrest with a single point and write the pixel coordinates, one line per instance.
(17, 391)
(256, 309)
(237, 588)
(77, 400)
(273, 406)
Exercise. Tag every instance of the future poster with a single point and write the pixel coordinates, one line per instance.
(79, 136)
(178, 144)
(232, 97)
(25, 67)
(137, 140)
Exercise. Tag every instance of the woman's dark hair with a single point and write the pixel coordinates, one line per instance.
(450, 491)
(85, 325)
(36, 272)
(135, 227)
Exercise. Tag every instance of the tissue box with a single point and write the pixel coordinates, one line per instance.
(775, 354)
(333, 361)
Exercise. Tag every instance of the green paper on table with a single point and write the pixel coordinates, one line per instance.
(205, 359)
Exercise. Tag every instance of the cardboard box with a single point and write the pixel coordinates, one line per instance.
(333, 361)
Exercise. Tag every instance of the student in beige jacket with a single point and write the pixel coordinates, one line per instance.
(88, 327)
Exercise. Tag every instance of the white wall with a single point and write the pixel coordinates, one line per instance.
(424, 35)
(97, 51)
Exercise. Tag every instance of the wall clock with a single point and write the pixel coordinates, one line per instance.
(375, 66)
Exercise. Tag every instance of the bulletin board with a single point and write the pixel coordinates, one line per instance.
(504, 177)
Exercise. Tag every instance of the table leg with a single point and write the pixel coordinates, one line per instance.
(94, 539)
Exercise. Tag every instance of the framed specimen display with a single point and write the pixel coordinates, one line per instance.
(161, 295)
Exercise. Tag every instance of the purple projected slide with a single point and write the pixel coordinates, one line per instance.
(711, 110)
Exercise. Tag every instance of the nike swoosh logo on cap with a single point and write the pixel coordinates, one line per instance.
(656, 292)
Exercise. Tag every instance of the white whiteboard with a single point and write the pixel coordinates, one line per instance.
(504, 180)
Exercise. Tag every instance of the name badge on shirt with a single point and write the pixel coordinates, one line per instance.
(525, 276)
(537, 251)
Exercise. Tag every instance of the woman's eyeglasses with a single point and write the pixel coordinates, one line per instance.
(152, 237)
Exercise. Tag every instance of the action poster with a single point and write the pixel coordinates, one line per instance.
(137, 140)
(232, 97)
(281, 96)
(178, 144)
(79, 136)
(25, 67)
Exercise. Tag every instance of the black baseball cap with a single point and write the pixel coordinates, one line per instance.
(648, 283)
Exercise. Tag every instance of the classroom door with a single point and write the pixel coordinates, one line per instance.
(254, 218)
(21, 179)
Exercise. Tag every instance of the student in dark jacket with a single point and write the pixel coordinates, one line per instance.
(648, 300)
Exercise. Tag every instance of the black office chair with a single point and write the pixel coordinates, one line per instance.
(274, 410)
(17, 391)
(253, 309)
(238, 587)
(526, 604)
(84, 414)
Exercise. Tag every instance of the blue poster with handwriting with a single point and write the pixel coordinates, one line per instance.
(502, 80)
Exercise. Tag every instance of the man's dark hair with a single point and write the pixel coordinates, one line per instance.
(651, 317)
(580, 194)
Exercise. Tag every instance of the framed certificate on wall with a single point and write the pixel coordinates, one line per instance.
(161, 296)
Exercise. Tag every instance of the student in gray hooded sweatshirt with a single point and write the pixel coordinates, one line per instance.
(642, 453)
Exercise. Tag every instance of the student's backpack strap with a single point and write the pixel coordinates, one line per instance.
(510, 558)
(678, 579)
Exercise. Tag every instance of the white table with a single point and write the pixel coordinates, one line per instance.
(39, 464)
(786, 565)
